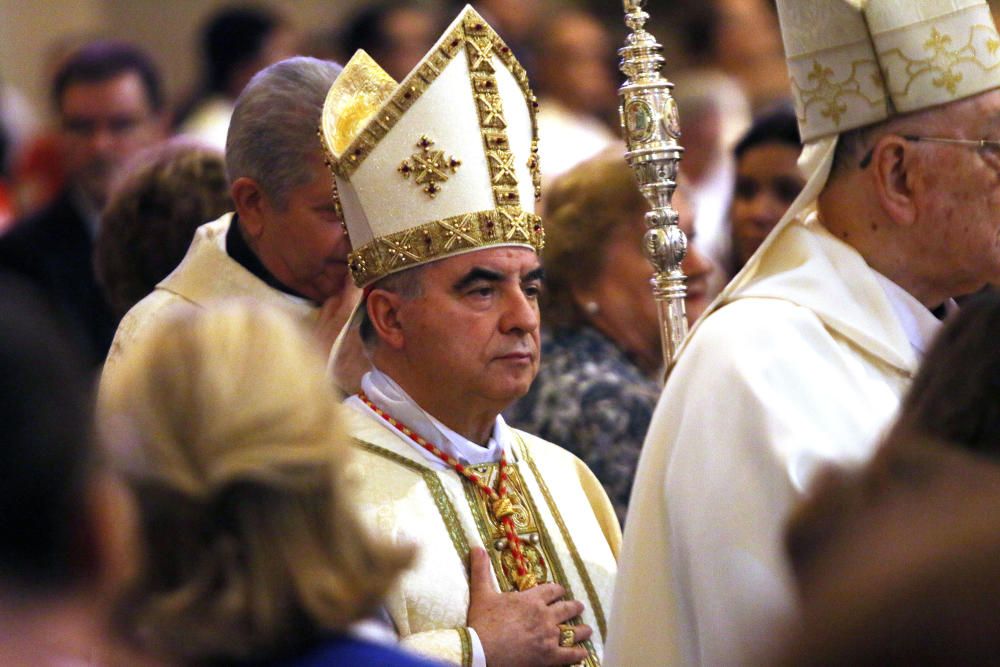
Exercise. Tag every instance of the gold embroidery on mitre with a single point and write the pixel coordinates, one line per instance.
(328, 160)
(354, 98)
(394, 252)
(507, 222)
(942, 60)
(360, 89)
(479, 47)
(428, 167)
(831, 94)
(419, 81)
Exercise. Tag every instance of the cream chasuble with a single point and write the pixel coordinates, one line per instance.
(568, 528)
(205, 274)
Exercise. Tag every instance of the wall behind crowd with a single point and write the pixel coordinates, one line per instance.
(33, 34)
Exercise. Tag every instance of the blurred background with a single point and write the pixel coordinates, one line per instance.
(33, 35)
(725, 57)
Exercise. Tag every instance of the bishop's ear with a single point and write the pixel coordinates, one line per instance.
(895, 166)
(383, 312)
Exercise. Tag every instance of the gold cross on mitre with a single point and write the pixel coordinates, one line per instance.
(429, 167)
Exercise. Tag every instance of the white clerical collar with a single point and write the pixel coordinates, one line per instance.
(919, 323)
(384, 392)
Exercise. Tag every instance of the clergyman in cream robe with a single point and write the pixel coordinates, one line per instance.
(408, 494)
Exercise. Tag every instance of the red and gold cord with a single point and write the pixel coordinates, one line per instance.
(503, 508)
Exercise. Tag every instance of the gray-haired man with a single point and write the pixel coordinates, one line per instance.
(284, 244)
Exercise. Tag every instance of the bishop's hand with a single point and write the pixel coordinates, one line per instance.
(521, 629)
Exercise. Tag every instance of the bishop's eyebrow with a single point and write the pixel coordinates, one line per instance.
(479, 273)
(475, 275)
(534, 274)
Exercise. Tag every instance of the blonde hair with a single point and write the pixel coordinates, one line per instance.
(252, 547)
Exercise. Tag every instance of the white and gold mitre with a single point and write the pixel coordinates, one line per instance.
(857, 62)
(443, 163)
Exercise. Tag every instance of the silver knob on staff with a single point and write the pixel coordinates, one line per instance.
(651, 128)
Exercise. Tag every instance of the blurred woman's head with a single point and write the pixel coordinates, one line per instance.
(151, 217)
(252, 549)
(767, 180)
(596, 272)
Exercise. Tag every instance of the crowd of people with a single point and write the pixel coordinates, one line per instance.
(350, 357)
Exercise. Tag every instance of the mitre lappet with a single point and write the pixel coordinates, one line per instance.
(444, 162)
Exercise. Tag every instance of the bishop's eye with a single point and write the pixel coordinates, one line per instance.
(532, 289)
(481, 290)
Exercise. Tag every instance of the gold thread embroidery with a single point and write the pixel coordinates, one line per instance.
(448, 514)
(479, 47)
(506, 56)
(428, 167)
(526, 523)
(558, 571)
(481, 229)
(353, 100)
(413, 87)
(329, 160)
(463, 637)
(508, 222)
(595, 601)
(830, 94)
(943, 60)
(536, 174)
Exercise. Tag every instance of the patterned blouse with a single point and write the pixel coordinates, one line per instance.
(592, 400)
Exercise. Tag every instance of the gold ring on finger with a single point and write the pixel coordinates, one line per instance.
(567, 635)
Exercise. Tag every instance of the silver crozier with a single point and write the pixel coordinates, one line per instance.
(651, 129)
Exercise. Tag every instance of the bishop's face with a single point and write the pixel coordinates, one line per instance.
(473, 333)
(957, 210)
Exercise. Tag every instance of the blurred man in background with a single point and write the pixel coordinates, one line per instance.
(109, 104)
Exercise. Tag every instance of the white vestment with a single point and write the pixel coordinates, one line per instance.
(410, 496)
(206, 274)
(803, 361)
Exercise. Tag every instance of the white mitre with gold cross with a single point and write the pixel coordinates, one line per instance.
(857, 62)
(443, 163)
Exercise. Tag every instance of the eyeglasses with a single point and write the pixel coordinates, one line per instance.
(978, 144)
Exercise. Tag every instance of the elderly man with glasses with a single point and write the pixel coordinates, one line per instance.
(804, 357)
